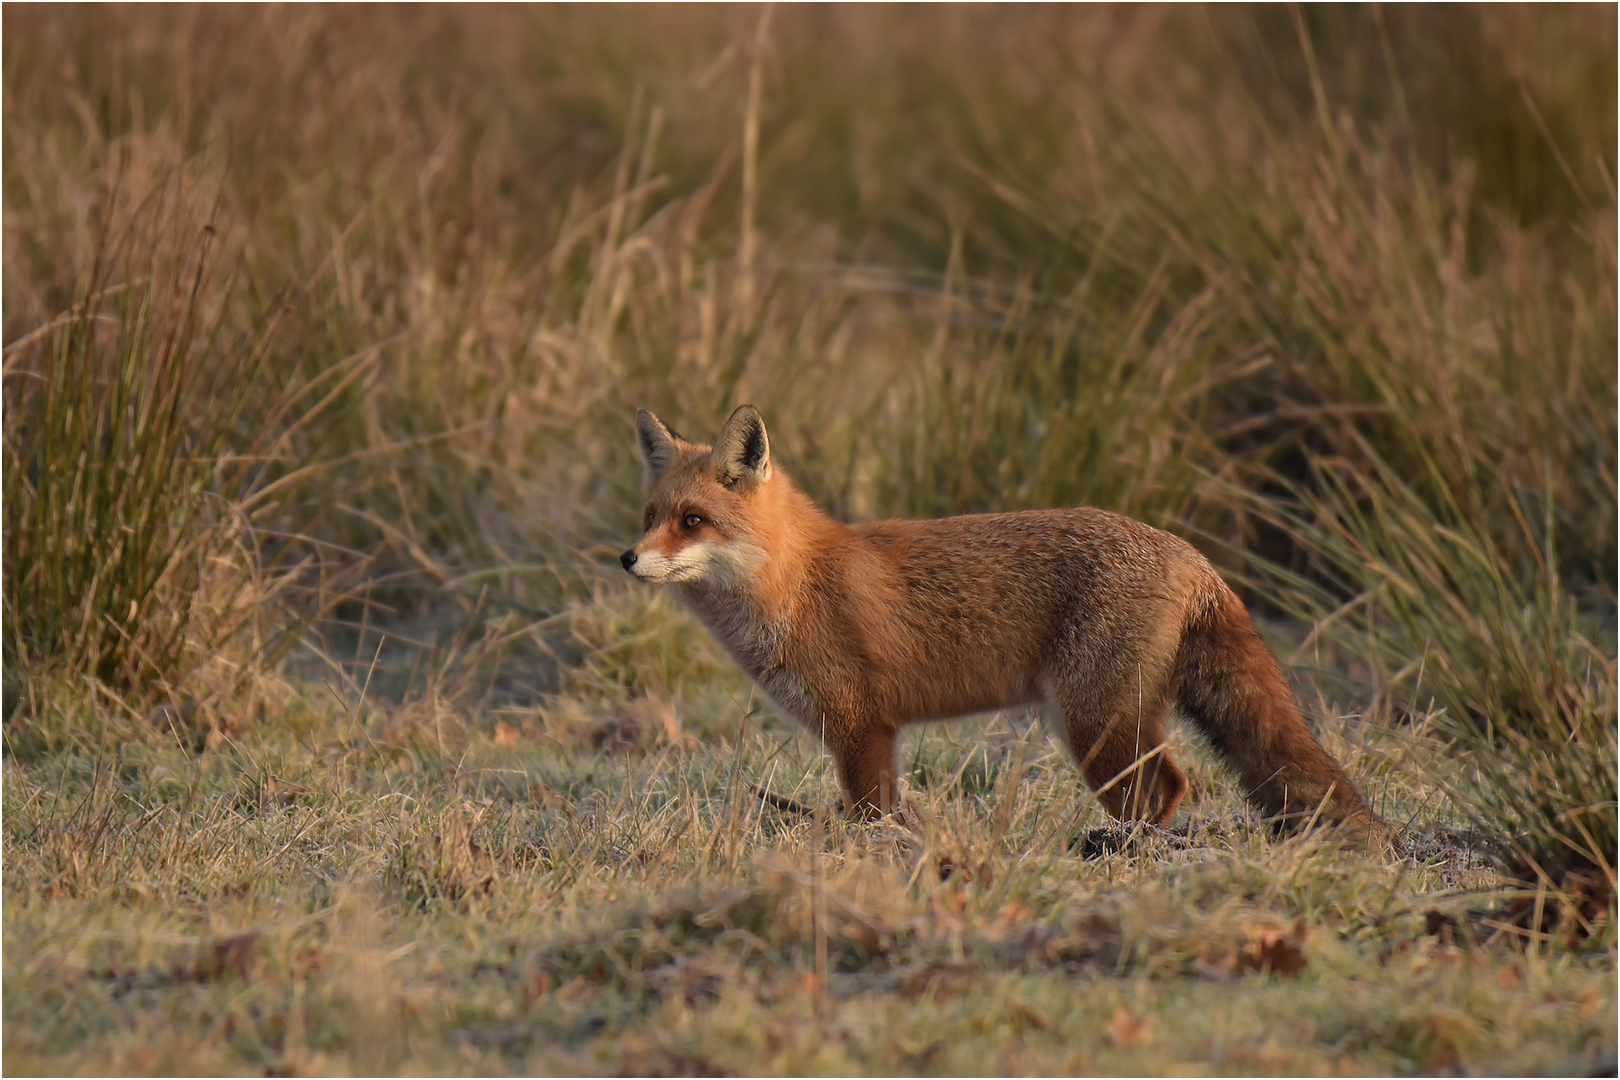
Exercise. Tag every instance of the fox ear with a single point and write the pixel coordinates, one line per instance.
(742, 454)
(657, 442)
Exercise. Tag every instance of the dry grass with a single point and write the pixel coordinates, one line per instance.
(1332, 289)
(537, 907)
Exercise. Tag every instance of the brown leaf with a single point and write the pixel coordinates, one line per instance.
(812, 985)
(237, 891)
(1015, 911)
(506, 737)
(1127, 1029)
(1279, 952)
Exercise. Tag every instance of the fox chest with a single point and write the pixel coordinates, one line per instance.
(800, 690)
(760, 647)
(764, 662)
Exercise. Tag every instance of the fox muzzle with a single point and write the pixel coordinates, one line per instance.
(628, 559)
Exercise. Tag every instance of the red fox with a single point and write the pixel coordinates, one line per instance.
(856, 630)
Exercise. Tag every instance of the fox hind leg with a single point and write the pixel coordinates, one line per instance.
(1120, 751)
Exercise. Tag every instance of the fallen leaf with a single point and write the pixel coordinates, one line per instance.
(1127, 1029)
(812, 984)
(1275, 951)
(1015, 911)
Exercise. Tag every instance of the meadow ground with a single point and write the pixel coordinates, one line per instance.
(337, 742)
(400, 890)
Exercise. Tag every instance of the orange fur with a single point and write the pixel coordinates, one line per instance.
(857, 630)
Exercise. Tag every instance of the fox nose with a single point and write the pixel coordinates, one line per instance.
(628, 559)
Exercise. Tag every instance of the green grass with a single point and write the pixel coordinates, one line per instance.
(320, 364)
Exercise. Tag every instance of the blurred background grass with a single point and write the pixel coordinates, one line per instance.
(336, 318)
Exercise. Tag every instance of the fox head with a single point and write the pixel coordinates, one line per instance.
(700, 525)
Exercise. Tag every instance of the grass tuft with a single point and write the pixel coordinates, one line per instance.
(1508, 671)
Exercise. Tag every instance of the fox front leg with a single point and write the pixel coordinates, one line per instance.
(867, 771)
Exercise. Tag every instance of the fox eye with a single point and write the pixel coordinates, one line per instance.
(647, 522)
(691, 521)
